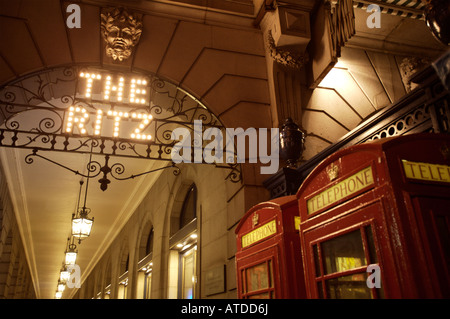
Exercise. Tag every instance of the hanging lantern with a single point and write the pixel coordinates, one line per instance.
(81, 224)
(71, 254)
(61, 286)
(64, 275)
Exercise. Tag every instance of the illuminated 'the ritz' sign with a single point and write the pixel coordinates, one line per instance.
(126, 97)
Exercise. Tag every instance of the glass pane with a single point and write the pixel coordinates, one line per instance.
(188, 212)
(320, 289)
(149, 244)
(244, 290)
(343, 253)
(370, 242)
(270, 273)
(148, 285)
(257, 277)
(348, 287)
(444, 236)
(316, 260)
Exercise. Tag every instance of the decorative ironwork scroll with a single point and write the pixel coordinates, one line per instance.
(87, 110)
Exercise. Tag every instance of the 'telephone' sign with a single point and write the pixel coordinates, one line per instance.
(345, 188)
(426, 171)
(259, 233)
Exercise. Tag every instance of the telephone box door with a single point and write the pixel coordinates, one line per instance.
(268, 257)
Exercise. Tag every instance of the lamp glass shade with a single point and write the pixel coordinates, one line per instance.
(58, 295)
(71, 257)
(81, 227)
(64, 275)
(61, 287)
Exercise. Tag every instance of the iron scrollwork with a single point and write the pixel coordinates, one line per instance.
(94, 169)
(34, 112)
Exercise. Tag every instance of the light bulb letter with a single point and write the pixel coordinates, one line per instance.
(76, 119)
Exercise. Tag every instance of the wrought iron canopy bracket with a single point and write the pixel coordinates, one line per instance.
(39, 112)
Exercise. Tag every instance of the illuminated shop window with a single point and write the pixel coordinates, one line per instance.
(189, 278)
(341, 265)
(145, 281)
(123, 288)
(108, 292)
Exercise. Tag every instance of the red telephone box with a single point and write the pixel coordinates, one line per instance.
(385, 204)
(268, 257)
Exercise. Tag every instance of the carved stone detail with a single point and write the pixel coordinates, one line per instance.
(342, 23)
(286, 57)
(121, 31)
(408, 67)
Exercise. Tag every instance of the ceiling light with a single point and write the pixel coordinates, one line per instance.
(71, 253)
(81, 223)
(64, 275)
(61, 286)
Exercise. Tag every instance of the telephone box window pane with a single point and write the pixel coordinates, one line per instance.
(320, 289)
(442, 226)
(257, 277)
(316, 260)
(343, 253)
(370, 242)
(270, 273)
(348, 287)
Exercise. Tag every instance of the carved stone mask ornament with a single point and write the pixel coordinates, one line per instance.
(121, 31)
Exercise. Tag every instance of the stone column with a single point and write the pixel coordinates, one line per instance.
(286, 31)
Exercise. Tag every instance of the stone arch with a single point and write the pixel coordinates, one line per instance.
(124, 257)
(178, 201)
(146, 235)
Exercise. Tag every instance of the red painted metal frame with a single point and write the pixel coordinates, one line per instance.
(283, 248)
(412, 257)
